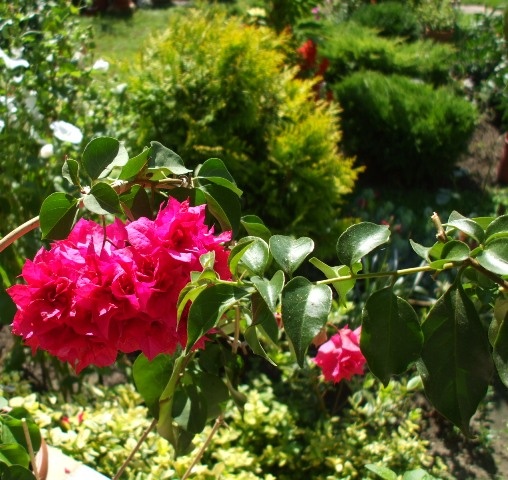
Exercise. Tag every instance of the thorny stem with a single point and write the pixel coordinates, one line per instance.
(135, 449)
(216, 426)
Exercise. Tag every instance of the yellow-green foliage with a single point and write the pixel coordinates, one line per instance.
(211, 86)
(268, 442)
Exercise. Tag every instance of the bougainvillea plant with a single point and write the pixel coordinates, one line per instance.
(170, 268)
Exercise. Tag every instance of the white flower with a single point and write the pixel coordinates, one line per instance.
(12, 63)
(66, 132)
(119, 89)
(101, 65)
(46, 151)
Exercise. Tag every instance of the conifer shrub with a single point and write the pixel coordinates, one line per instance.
(353, 47)
(210, 86)
(390, 19)
(403, 131)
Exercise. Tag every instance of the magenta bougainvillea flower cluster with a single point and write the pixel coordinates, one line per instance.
(107, 290)
(340, 357)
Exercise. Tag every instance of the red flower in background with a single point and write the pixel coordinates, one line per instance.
(341, 357)
(88, 298)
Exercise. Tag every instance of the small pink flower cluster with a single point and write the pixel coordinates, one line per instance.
(100, 292)
(341, 357)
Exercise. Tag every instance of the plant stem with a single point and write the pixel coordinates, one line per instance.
(492, 276)
(135, 449)
(197, 458)
(18, 232)
(390, 273)
(30, 448)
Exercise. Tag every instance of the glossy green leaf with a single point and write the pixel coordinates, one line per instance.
(188, 294)
(224, 205)
(255, 227)
(466, 225)
(14, 424)
(453, 251)
(497, 228)
(135, 165)
(484, 222)
(305, 310)
(70, 171)
(214, 170)
(101, 155)
(252, 339)
(237, 253)
(256, 258)
(102, 200)
(420, 250)
(13, 454)
(455, 365)
(498, 336)
(391, 338)
(208, 307)
(359, 240)
(270, 290)
(151, 378)
(164, 159)
(57, 215)
(494, 256)
(342, 287)
(289, 252)
(136, 202)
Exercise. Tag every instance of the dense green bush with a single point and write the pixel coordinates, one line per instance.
(403, 130)
(391, 19)
(269, 441)
(351, 47)
(212, 87)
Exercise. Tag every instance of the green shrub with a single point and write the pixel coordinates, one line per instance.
(269, 442)
(351, 47)
(404, 131)
(391, 19)
(211, 87)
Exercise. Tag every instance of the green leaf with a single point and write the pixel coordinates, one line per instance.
(251, 336)
(418, 474)
(214, 170)
(391, 336)
(14, 424)
(290, 252)
(498, 336)
(344, 286)
(13, 454)
(466, 225)
(137, 202)
(15, 472)
(188, 294)
(264, 318)
(70, 171)
(162, 158)
(420, 250)
(453, 251)
(256, 258)
(57, 215)
(270, 290)
(382, 471)
(101, 155)
(497, 228)
(237, 253)
(102, 200)
(224, 205)
(208, 307)
(305, 310)
(151, 378)
(494, 256)
(255, 227)
(189, 409)
(216, 393)
(455, 364)
(359, 240)
(135, 165)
